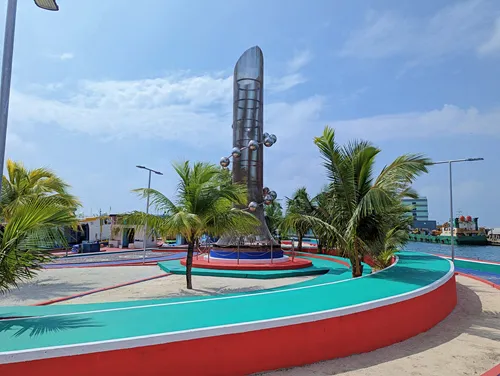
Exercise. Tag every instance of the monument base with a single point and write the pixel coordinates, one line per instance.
(289, 264)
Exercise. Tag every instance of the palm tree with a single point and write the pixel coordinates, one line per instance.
(298, 208)
(35, 224)
(22, 185)
(274, 216)
(360, 204)
(205, 204)
(321, 203)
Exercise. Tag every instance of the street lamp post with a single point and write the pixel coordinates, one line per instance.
(147, 209)
(8, 50)
(451, 196)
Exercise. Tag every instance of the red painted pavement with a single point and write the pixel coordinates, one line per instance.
(58, 300)
(275, 348)
(479, 279)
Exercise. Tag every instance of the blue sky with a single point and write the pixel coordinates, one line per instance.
(101, 86)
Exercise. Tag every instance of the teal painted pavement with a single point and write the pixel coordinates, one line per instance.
(319, 267)
(71, 325)
(479, 266)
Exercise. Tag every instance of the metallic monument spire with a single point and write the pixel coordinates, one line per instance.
(249, 140)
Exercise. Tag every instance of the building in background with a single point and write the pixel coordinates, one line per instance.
(419, 208)
(429, 225)
(128, 236)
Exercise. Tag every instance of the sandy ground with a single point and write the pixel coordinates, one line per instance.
(123, 256)
(467, 342)
(174, 285)
(56, 283)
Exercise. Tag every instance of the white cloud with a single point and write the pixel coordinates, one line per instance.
(286, 82)
(181, 107)
(458, 28)
(63, 56)
(299, 61)
(447, 120)
(17, 147)
(66, 56)
(492, 45)
(287, 120)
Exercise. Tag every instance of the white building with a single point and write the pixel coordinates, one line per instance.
(96, 228)
(129, 236)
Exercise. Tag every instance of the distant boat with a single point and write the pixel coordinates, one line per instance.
(466, 231)
(494, 236)
(307, 244)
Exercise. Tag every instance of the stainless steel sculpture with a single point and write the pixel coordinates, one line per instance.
(248, 139)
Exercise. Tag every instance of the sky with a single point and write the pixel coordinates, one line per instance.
(102, 86)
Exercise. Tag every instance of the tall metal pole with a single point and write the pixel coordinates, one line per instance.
(451, 197)
(146, 221)
(451, 216)
(8, 50)
(100, 225)
(238, 250)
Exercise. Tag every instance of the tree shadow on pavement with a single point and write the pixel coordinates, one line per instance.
(36, 326)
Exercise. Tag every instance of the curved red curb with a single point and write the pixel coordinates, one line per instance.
(494, 285)
(224, 265)
(151, 263)
(52, 301)
(495, 371)
(173, 249)
(314, 255)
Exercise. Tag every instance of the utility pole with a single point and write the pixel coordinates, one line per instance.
(100, 225)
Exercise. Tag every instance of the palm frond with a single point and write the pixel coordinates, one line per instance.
(34, 227)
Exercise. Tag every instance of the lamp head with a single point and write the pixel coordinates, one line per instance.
(474, 159)
(47, 4)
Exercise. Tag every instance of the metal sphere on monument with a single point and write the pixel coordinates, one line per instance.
(252, 206)
(224, 162)
(268, 142)
(253, 145)
(236, 152)
(273, 195)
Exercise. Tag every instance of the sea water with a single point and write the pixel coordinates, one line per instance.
(476, 252)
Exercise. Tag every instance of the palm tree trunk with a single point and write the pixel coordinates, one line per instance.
(189, 265)
(356, 261)
(299, 246)
(320, 246)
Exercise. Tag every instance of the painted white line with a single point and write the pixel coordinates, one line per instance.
(462, 259)
(147, 306)
(163, 338)
(478, 261)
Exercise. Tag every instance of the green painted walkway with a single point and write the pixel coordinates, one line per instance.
(319, 267)
(482, 266)
(76, 324)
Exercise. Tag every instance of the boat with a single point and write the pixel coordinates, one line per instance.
(466, 231)
(308, 244)
(493, 236)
